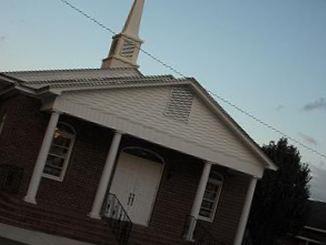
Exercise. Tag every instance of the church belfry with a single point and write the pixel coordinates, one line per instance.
(125, 46)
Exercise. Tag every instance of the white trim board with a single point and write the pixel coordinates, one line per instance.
(149, 81)
(157, 136)
(35, 237)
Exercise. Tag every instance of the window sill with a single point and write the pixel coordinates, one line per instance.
(51, 177)
(210, 220)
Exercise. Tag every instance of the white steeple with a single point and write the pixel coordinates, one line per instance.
(132, 24)
(125, 46)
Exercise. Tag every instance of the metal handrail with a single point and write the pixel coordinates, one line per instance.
(118, 219)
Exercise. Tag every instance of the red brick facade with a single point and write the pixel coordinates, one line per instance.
(63, 206)
(22, 134)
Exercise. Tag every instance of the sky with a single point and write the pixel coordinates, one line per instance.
(267, 57)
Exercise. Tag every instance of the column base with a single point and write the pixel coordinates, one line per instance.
(30, 200)
(94, 216)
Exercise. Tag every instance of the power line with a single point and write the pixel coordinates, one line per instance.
(266, 124)
(114, 33)
(174, 70)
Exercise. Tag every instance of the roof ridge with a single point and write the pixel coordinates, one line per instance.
(69, 69)
(99, 79)
(112, 81)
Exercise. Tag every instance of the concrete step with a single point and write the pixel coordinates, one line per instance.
(30, 217)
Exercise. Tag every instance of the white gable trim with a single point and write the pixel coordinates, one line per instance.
(233, 125)
(202, 93)
(59, 91)
(156, 136)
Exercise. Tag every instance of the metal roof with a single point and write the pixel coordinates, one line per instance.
(38, 79)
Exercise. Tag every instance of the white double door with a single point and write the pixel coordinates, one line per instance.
(135, 183)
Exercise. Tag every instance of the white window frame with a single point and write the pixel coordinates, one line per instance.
(216, 201)
(2, 121)
(67, 158)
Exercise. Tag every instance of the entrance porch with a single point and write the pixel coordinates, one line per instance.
(157, 187)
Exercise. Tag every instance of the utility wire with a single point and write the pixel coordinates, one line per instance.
(174, 70)
(114, 33)
(265, 124)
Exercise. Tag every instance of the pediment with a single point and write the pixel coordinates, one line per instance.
(174, 116)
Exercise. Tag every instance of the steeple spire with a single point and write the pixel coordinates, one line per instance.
(125, 46)
(132, 24)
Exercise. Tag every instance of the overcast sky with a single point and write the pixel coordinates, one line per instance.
(268, 57)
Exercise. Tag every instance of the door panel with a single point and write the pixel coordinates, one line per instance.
(135, 183)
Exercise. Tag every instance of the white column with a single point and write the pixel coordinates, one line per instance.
(106, 176)
(198, 199)
(41, 159)
(245, 212)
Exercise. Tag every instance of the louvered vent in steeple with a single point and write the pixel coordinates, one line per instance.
(125, 46)
(128, 49)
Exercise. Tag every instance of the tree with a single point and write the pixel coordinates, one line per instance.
(279, 204)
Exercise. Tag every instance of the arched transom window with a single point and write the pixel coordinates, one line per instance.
(211, 196)
(60, 151)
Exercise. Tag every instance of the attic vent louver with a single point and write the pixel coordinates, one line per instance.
(128, 49)
(180, 103)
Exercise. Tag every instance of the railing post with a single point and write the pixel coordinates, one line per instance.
(118, 219)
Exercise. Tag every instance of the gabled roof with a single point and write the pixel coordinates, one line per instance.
(59, 81)
(37, 79)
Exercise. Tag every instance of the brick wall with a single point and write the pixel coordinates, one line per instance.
(20, 143)
(229, 208)
(87, 159)
(22, 134)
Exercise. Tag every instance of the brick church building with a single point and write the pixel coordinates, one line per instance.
(113, 156)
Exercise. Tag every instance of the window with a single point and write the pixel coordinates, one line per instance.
(211, 196)
(59, 154)
(2, 121)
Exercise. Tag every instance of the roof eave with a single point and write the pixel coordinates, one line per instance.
(14, 83)
(233, 125)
